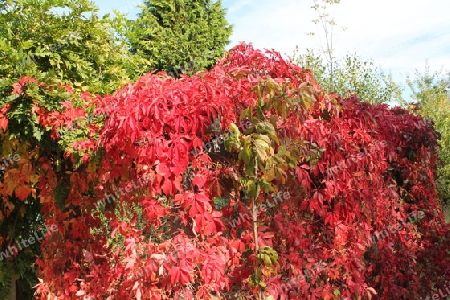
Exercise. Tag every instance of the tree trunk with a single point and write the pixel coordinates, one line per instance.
(13, 291)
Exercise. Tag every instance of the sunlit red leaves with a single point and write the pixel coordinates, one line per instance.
(19, 181)
(208, 223)
(18, 87)
(180, 274)
(46, 119)
(153, 211)
(3, 118)
(199, 181)
(345, 188)
(22, 192)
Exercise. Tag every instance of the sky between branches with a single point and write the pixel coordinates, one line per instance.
(400, 35)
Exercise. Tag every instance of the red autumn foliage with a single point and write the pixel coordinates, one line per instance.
(360, 171)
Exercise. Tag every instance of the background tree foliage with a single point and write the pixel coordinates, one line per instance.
(349, 74)
(62, 41)
(428, 91)
(352, 75)
(180, 36)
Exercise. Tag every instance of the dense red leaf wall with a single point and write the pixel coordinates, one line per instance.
(354, 211)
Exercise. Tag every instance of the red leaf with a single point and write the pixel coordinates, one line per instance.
(199, 180)
(22, 192)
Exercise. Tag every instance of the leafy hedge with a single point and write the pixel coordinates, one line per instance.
(316, 196)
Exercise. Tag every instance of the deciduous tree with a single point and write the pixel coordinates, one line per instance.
(62, 41)
(352, 75)
(349, 74)
(431, 99)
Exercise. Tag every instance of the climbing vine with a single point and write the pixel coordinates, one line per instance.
(145, 210)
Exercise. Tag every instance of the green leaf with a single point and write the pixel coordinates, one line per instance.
(27, 44)
(233, 141)
(251, 189)
(261, 150)
(268, 129)
(246, 113)
(249, 168)
(262, 147)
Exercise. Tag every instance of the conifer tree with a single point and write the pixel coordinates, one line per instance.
(180, 36)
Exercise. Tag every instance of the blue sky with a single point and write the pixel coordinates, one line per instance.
(400, 35)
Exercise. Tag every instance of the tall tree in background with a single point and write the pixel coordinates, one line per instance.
(326, 22)
(428, 90)
(349, 74)
(352, 75)
(180, 36)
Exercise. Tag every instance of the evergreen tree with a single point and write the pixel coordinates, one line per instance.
(180, 36)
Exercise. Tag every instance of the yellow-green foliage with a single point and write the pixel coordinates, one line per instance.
(62, 41)
(429, 92)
